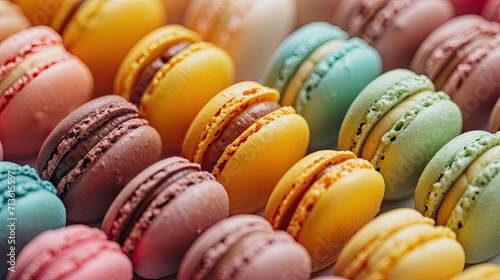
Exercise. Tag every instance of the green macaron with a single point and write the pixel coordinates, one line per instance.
(319, 71)
(460, 189)
(398, 122)
(28, 206)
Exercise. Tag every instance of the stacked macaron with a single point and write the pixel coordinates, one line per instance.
(248, 141)
(162, 211)
(395, 28)
(319, 71)
(28, 206)
(245, 247)
(401, 244)
(459, 188)
(73, 252)
(94, 152)
(461, 57)
(312, 199)
(99, 32)
(398, 122)
(171, 70)
(40, 84)
(249, 30)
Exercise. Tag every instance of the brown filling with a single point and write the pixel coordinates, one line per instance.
(149, 197)
(72, 157)
(235, 128)
(148, 72)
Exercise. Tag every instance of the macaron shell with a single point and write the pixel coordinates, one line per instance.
(12, 19)
(246, 35)
(326, 229)
(491, 10)
(368, 96)
(407, 31)
(39, 12)
(479, 232)
(325, 106)
(479, 92)
(283, 260)
(343, 12)
(44, 101)
(435, 166)
(182, 220)
(438, 258)
(220, 235)
(205, 115)
(375, 230)
(401, 176)
(89, 197)
(296, 181)
(146, 50)
(182, 91)
(480, 271)
(102, 32)
(268, 149)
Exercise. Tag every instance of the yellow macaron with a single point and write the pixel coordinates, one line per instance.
(323, 200)
(170, 71)
(248, 141)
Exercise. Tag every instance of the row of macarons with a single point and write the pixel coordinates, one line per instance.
(174, 218)
(400, 136)
(318, 70)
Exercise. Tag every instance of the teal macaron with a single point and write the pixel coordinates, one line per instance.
(319, 71)
(398, 122)
(460, 189)
(28, 206)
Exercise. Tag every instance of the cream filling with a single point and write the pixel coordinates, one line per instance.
(462, 183)
(373, 140)
(306, 68)
(28, 63)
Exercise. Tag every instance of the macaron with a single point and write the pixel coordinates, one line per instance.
(401, 244)
(398, 122)
(312, 199)
(245, 247)
(40, 84)
(162, 211)
(395, 28)
(485, 271)
(248, 141)
(176, 10)
(491, 10)
(249, 30)
(459, 187)
(94, 152)
(28, 206)
(171, 70)
(12, 19)
(319, 71)
(494, 121)
(100, 32)
(461, 58)
(73, 252)
(39, 12)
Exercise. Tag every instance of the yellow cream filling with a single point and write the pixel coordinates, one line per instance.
(28, 63)
(386, 123)
(462, 183)
(291, 91)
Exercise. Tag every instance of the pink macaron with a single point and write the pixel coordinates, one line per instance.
(461, 58)
(40, 84)
(491, 10)
(463, 7)
(73, 252)
(394, 27)
(162, 211)
(245, 246)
